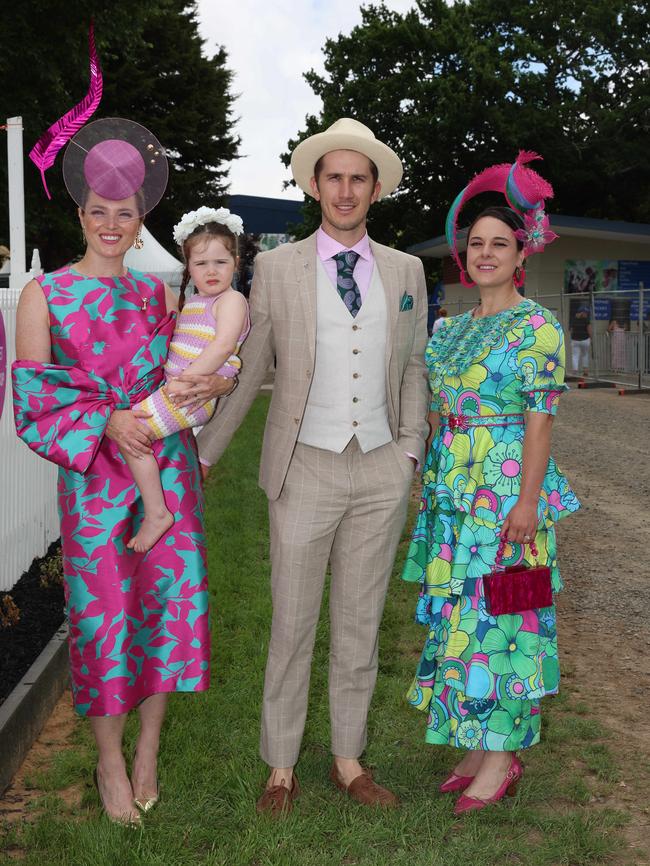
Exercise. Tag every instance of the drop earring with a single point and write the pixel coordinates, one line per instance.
(519, 277)
(138, 243)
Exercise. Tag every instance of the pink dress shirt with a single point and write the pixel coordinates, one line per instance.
(327, 248)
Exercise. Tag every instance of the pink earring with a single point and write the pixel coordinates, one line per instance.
(519, 277)
(465, 280)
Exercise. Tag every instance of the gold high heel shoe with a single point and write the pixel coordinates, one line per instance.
(147, 804)
(133, 822)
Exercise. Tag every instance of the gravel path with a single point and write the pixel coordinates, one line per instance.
(602, 441)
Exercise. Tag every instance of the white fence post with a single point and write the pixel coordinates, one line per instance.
(28, 508)
(29, 519)
(16, 202)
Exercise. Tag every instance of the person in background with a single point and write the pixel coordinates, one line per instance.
(442, 315)
(617, 338)
(581, 341)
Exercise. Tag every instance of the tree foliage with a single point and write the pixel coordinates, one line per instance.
(154, 73)
(454, 88)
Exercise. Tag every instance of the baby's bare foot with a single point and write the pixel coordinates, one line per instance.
(151, 529)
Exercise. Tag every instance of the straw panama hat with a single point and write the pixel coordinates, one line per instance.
(346, 134)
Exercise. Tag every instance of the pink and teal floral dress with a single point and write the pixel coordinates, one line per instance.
(138, 622)
(481, 677)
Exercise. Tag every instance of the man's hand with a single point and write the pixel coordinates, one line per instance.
(192, 390)
(130, 436)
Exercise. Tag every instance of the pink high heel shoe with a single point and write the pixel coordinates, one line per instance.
(508, 786)
(455, 783)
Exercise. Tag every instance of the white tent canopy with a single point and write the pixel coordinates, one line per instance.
(153, 258)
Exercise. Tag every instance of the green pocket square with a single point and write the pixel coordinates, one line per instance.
(406, 303)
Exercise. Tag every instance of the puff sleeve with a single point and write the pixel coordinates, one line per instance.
(541, 363)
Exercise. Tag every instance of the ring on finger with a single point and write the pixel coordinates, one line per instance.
(526, 537)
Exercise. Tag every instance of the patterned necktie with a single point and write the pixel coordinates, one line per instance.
(345, 282)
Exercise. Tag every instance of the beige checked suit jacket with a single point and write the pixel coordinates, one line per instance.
(283, 324)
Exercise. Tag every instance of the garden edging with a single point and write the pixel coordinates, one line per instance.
(31, 702)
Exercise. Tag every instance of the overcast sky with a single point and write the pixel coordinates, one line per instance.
(270, 43)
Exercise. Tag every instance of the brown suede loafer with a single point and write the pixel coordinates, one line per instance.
(277, 801)
(364, 790)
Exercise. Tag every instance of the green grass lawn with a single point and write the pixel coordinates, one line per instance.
(211, 774)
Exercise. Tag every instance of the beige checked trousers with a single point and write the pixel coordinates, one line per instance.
(349, 509)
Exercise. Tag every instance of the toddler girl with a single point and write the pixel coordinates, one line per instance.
(210, 330)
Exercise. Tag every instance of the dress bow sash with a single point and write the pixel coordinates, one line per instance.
(61, 412)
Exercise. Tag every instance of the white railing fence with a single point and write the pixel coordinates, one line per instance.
(617, 358)
(29, 519)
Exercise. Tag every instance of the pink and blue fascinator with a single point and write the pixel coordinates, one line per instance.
(113, 157)
(524, 190)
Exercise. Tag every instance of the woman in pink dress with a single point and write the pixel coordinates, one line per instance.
(91, 342)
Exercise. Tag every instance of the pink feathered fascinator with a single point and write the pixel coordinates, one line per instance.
(525, 192)
(114, 157)
(45, 151)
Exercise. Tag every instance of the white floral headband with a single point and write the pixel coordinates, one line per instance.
(195, 218)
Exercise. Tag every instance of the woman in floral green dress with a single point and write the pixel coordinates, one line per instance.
(496, 374)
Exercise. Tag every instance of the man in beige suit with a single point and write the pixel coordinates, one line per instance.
(345, 318)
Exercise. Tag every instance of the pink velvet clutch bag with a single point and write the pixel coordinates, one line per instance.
(517, 587)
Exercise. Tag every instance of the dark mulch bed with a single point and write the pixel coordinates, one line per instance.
(37, 603)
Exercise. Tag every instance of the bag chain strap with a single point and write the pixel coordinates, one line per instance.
(502, 544)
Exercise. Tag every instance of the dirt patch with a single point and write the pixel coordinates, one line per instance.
(601, 442)
(55, 736)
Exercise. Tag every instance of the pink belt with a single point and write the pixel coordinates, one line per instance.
(462, 423)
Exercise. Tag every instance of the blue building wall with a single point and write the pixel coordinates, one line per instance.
(266, 215)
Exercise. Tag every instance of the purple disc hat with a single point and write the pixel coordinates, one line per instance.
(116, 158)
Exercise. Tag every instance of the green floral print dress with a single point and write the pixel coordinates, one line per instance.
(480, 677)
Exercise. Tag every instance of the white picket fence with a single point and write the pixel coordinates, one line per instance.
(29, 519)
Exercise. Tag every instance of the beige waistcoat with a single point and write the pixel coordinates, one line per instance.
(348, 391)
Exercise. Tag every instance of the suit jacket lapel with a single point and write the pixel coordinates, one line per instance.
(389, 278)
(305, 274)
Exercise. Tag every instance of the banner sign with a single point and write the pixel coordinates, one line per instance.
(582, 276)
(630, 274)
(602, 309)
